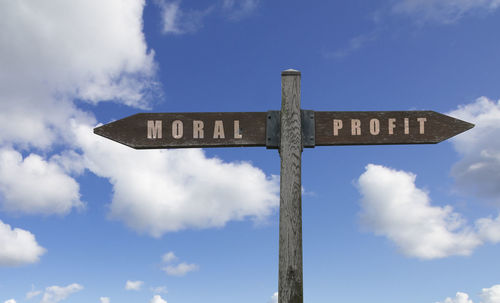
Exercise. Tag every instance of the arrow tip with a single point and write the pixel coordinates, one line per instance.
(99, 130)
(458, 126)
(462, 125)
(469, 125)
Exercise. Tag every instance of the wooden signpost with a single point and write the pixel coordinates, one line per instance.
(289, 130)
(181, 130)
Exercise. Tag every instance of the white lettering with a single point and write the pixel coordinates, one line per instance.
(198, 132)
(407, 126)
(154, 129)
(421, 121)
(237, 130)
(337, 124)
(177, 129)
(218, 130)
(374, 126)
(355, 127)
(392, 125)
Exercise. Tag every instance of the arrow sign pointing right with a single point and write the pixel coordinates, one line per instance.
(386, 127)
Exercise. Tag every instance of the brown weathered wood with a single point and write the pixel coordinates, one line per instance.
(290, 285)
(436, 128)
(133, 131)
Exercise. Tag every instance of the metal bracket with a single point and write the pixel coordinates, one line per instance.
(308, 128)
(273, 129)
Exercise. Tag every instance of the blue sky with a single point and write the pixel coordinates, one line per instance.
(84, 219)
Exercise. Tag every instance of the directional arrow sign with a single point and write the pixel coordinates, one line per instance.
(386, 127)
(180, 130)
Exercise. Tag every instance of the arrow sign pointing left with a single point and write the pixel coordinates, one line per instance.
(181, 130)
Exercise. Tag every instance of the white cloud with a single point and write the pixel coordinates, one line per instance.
(87, 48)
(35, 119)
(392, 206)
(33, 293)
(170, 14)
(18, 246)
(239, 9)
(459, 298)
(54, 51)
(274, 298)
(35, 186)
(10, 301)
(488, 295)
(491, 295)
(104, 299)
(54, 294)
(158, 191)
(133, 285)
(442, 11)
(489, 229)
(47, 65)
(169, 257)
(182, 21)
(180, 269)
(157, 299)
(479, 169)
(177, 21)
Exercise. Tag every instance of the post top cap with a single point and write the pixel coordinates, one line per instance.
(290, 72)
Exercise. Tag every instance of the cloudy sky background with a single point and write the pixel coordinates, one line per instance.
(84, 219)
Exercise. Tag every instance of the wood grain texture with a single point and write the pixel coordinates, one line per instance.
(290, 283)
(437, 127)
(132, 131)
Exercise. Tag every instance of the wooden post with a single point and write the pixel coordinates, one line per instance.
(290, 286)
